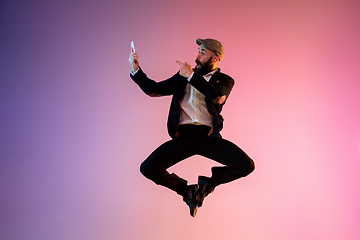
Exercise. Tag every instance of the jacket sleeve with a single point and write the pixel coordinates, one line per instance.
(215, 91)
(153, 88)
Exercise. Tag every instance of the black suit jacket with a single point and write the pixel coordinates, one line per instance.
(218, 87)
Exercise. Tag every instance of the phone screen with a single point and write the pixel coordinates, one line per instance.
(132, 47)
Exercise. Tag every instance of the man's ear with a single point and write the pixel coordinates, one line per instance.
(215, 59)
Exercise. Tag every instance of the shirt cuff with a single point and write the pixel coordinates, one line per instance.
(134, 72)
(189, 78)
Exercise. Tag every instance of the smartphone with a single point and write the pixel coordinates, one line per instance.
(132, 47)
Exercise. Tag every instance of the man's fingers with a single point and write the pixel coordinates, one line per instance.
(134, 56)
(220, 100)
(180, 63)
(187, 64)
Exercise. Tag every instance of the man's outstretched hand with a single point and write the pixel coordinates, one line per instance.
(133, 59)
(185, 69)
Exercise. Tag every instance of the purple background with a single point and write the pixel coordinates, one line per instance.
(75, 128)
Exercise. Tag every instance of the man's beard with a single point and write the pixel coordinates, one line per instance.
(205, 68)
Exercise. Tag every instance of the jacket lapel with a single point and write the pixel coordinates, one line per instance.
(215, 76)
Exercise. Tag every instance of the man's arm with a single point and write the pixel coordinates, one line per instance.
(149, 86)
(217, 92)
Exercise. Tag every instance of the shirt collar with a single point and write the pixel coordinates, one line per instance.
(208, 75)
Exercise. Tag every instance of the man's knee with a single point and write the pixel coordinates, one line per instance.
(245, 169)
(248, 168)
(144, 169)
(149, 170)
(251, 166)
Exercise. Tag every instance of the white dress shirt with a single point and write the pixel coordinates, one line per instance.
(193, 106)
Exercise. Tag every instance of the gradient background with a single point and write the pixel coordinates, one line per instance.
(75, 128)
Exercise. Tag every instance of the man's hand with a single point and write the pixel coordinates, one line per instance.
(185, 69)
(134, 63)
(220, 100)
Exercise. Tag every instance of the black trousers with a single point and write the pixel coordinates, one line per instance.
(193, 140)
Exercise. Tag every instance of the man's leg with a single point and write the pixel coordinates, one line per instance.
(165, 156)
(168, 154)
(237, 164)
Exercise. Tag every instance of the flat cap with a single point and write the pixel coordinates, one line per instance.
(213, 45)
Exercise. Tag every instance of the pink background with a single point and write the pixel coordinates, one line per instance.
(75, 128)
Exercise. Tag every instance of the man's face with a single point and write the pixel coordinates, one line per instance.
(204, 63)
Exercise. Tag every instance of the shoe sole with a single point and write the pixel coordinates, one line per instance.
(194, 212)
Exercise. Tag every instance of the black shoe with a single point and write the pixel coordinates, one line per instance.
(190, 198)
(204, 189)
